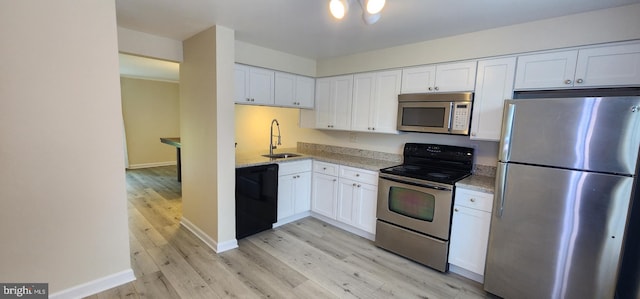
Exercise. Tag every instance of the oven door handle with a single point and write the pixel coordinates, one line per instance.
(415, 184)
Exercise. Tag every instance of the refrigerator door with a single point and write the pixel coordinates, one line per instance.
(559, 233)
(595, 134)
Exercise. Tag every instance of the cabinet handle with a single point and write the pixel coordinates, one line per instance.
(437, 88)
(472, 200)
(334, 180)
(324, 168)
(354, 184)
(473, 133)
(567, 81)
(455, 210)
(357, 174)
(430, 89)
(579, 81)
(248, 100)
(358, 185)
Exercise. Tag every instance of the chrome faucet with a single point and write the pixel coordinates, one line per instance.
(271, 146)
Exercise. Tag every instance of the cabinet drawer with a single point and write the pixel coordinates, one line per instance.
(359, 175)
(474, 199)
(285, 168)
(325, 168)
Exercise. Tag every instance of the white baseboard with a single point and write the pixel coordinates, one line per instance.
(349, 228)
(466, 273)
(217, 247)
(149, 165)
(96, 286)
(292, 218)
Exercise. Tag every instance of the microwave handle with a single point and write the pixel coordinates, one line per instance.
(451, 116)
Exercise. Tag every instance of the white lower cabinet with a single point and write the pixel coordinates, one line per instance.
(470, 233)
(357, 204)
(294, 191)
(345, 196)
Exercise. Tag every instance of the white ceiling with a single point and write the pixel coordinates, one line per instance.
(305, 27)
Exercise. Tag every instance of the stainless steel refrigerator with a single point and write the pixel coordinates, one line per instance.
(563, 190)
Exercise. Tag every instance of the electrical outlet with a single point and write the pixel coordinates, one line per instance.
(353, 137)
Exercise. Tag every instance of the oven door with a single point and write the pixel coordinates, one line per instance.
(428, 117)
(416, 205)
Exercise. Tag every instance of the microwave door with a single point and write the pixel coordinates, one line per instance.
(430, 117)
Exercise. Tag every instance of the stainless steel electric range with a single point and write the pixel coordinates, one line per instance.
(415, 201)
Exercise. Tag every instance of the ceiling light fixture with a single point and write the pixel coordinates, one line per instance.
(339, 8)
(371, 9)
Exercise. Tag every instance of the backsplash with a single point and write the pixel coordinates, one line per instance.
(310, 148)
(484, 170)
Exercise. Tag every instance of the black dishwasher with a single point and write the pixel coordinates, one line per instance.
(256, 199)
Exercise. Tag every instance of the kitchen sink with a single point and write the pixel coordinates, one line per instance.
(281, 156)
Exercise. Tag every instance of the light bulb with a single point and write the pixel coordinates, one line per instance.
(338, 8)
(375, 6)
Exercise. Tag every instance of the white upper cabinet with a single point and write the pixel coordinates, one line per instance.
(241, 80)
(546, 70)
(253, 86)
(333, 102)
(459, 76)
(418, 79)
(375, 101)
(259, 86)
(615, 65)
(494, 84)
(294, 91)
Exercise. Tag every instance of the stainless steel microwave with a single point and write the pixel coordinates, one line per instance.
(444, 113)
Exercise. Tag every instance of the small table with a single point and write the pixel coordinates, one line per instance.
(174, 141)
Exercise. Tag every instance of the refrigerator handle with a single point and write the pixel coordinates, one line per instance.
(501, 177)
(507, 125)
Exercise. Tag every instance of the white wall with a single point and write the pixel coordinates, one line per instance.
(207, 135)
(272, 59)
(148, 45)
(608, 25)
(62, 180)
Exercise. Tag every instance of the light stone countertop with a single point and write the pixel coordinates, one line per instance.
(474, 182)
(478, 183)
(255, 159)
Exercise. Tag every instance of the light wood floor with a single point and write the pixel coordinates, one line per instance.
(304, 259)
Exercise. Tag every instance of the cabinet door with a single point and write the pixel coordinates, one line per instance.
(608, 66)
(364, 86)
(285, 89)
(342, 96)
(455, 77)
(325, 195)
(385, 109)
(324, 108)
(347, 201)
(469, 238)
(241, 81)
(494, 84)
(286, 195)
(418, 79)
(302, 193)
(305, 89)
(261, 86)
(367, 198)
(548, 70)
